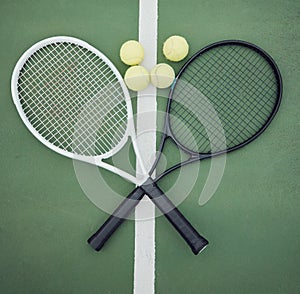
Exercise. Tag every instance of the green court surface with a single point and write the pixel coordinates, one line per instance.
(253, 219)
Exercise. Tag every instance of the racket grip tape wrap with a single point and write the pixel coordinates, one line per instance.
(98, 239)
(196, 242)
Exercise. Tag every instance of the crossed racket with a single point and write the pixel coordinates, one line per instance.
(73, 99)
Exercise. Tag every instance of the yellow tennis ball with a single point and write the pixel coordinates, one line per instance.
(176, 48)
(162, 75)
(137, 78)
(132, 52)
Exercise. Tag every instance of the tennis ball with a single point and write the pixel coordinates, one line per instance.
(137, 78)
(162, 75)
(175, 48)
(132, 52)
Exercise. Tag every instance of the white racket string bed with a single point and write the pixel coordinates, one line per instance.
(73, 100)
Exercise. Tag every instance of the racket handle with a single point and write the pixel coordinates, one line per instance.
(116, 219)
(196, 242)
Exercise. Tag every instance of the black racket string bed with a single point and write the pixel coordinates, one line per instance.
(222, 99)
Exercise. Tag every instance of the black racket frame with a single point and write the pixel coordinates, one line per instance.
(196, 242)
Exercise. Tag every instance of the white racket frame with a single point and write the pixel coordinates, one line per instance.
(95, 160)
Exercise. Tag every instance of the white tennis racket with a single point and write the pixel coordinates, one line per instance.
(73, 100)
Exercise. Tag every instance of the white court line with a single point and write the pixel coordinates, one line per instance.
(144, 255)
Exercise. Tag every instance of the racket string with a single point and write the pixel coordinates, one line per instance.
(75, 75)
(238, 83)
(90, 124)
(183, 128)
(86, 133)
(199, 138)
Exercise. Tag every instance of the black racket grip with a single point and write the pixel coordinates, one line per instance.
(196, 242)
(116, 219)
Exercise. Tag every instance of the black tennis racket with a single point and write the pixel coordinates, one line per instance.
(223, 98)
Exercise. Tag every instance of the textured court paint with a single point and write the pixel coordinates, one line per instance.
(144, 262)
(252, 222)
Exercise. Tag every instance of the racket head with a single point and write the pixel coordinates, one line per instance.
(52, 86)
(242, 86)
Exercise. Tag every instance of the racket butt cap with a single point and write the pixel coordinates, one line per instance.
(198, 248)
